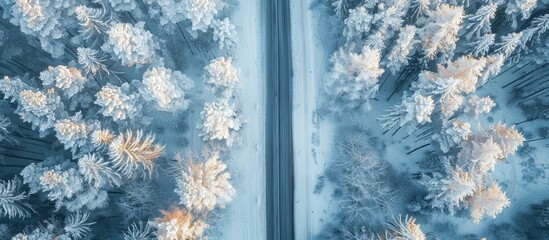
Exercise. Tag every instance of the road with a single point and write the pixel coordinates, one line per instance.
(279, 142)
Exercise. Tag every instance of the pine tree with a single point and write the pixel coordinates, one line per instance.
(49, 21)
(202, 186)
(221, 76)
(508, 44)
(166, 88)
(482, 46)
(453, 134)
(358, 23)
(67, 79)
(224, 33)
(97, 172)
(399, 55)
(439, 35)
(354, 76)
(493, 67)
(11, 87)
(479, 23)
(132, 153)
(76, 225)
(480, 154)
(448, 193)
(477, 105)
(201, 13)
(509, 139)
(131, 43)
(91, 61)
(92, 20)
(490, 201)
(220, 121)
(423, 107)
(117, 103)
(101, 138)
(73, 133)
(405, 229)
(179, 224)
(13, 200)
(139, 231)
(41, 109)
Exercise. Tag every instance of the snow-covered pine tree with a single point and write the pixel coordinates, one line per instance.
(220, 121)
(522, 7)
(439, 35)
(406, 228)
(47, 20)
(480, 155)
(509, 139)
(357, 23)
(201, 13)
(132, 44)
(74, 133)
(11, 87)
(508, 44)
(63, 184)
(477, 105)
(139, 231)
(202, 186)
(448, 193)
(493, 67)
(91, 61)
(224, 33)
(354, 77)
(179, 224)
(13, 200)
(166, 88)
(101, 138)
(134, 154)
(92, 20)
(117, 102)
(452, 134)
(68, 80)
(482, 46)
(479, 22)
(41, 109)
(404, 46)
(221, 76)
(97, 172)
(487, 200)
(77, 225)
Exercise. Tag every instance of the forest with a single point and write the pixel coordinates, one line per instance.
(163, 119)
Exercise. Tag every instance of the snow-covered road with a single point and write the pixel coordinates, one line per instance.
(280, 175)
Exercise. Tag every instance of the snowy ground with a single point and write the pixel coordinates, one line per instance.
(312, 137)
(246, 213)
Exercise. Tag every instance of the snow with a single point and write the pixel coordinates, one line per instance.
(315, 135)
(246, 218)
(312, 137)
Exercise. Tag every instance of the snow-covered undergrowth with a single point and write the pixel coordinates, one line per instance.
(433, 90)
(111, 88)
